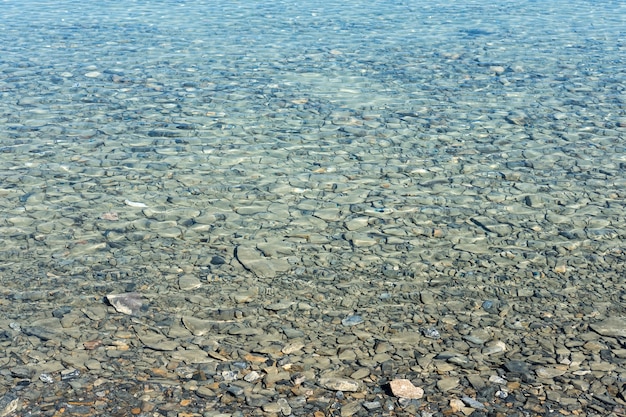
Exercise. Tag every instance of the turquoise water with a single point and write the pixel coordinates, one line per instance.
(496, 126)
(439, 115)
(364, 150)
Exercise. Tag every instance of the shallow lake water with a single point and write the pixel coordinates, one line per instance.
(383, 166)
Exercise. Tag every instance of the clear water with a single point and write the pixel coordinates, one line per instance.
(139, 140)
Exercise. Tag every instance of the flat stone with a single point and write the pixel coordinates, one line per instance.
(128, 303)
(281, 305)
(272, 408)
(470, 402)
(403, 388)
(549, 372)
(360, 373)
(96, 313)
(494, 347)
(447, 383)
(340, 384)
(330, 214)
(261, 266)
(250, 210)
(292, 347)
(51, 323)
(476, 248)
(198, 327)
(360, 240)
(192, 356)
(158, 342)
(205, 392)
(246, 296)
(613, 326)
(188, 282)
(42, 333)
(517, 367)
(405, 337)
(372, 405)
(356, 223)
(351, 408)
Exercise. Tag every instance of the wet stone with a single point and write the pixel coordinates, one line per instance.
(42, 333)
(188, 283)
(261, 266)
(198, 327)
(158, 342)
(128, 303)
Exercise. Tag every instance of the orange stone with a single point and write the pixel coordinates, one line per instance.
(185, 402)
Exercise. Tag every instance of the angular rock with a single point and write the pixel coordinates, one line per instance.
(470, 402)
(8, 403)
(41, 332)
(613, 326)
(255, 262)
(494, 347)
(447, 383)
(127, 303)
(192, 356)
(198, 327)
(403, 388)
(517, 367)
